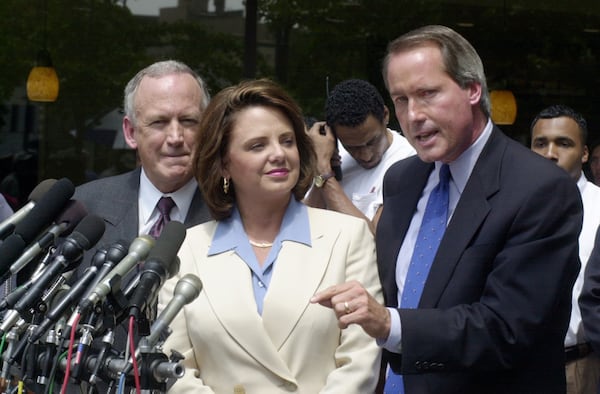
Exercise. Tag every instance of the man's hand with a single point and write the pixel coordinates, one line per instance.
(353, 304)
(324, 145)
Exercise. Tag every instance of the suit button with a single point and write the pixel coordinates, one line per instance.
(418, 365)
(239, 389)
(426, 365)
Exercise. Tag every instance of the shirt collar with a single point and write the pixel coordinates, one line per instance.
(582, 182)
(149, 196)
(462, 167)
(294, 227)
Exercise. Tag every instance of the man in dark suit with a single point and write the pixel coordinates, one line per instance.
(495, 298)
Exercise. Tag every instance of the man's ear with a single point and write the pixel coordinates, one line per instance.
(129, 133)
(586, 154)
(474, 92)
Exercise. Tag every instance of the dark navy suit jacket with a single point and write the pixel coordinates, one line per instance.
(496, 304)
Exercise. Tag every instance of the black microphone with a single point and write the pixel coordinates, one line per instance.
(72, 296)
(64, 225)
(40, 216)
(107, 259)
(162, 262)
(138, 250)
(8, 225)
(87, 233)
(187, 289)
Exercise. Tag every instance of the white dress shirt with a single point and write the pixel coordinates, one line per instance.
(590, 195)
(149, 196)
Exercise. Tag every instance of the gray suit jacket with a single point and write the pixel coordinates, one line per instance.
(115, 199)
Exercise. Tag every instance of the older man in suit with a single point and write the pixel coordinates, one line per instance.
(163, 105)
(483, 304)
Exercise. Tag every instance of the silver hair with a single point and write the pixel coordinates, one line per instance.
(156, 70)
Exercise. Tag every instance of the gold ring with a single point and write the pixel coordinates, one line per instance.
(347, 308)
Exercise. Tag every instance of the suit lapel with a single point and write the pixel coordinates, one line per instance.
(251, 335)
(198, 212)
(297, 263)
(472, 209)
(121, 211)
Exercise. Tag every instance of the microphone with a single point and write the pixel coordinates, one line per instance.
(187, 289)
(161, 262)
(138, 250)
(106, 259)
(49, 205)
(68, 299)
(66, 222)
(8, 225)
(87, 233)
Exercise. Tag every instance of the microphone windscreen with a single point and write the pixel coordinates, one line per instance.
(11, 248)
(71, 215)
(45, 210)
(41, 189)
(169, 242)
(89, 231)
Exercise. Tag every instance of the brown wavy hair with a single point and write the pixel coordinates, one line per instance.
(214, 137)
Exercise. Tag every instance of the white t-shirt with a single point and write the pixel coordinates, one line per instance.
(365, 187)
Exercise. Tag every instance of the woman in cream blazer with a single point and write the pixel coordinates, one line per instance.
(253, 328)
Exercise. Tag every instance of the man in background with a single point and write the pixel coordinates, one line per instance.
(163, 106)
(559, 134)
(357, 115)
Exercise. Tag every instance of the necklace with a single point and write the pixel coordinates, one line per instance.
(260, 244)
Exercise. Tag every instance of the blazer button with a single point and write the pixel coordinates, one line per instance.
(239, 389)
(426, 365)
(418, 365)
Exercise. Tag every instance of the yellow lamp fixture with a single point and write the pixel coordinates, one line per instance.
(42, 83)
(504, 107)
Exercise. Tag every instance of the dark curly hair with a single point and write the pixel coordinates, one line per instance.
(351, 102)
(214, 137)
(559, 111)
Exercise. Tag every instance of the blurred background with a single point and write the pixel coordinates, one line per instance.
(536, 53)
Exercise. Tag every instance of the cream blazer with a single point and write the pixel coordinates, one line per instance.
(295, 346)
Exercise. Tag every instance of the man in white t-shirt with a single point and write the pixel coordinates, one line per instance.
(559, 134)
(357, 115)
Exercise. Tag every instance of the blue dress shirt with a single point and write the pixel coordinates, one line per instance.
(230, 235)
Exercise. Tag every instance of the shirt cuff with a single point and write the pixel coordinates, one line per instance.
(393, 342)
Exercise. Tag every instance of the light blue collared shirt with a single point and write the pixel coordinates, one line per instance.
(460, 170)
(230, 235)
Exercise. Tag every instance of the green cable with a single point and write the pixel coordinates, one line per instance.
(2, 343)
(53, 373)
